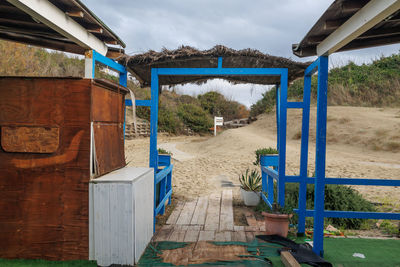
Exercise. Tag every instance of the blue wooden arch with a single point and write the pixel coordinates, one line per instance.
(163, 176)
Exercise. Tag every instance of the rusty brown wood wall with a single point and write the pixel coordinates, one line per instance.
(44, 196)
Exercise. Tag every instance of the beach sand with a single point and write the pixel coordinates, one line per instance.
(362, 143)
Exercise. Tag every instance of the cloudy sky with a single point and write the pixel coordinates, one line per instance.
(267, 25)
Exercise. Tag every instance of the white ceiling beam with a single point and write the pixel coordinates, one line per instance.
(366, 18)
(50, 15)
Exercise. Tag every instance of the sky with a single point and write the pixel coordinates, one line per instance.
(270, 26)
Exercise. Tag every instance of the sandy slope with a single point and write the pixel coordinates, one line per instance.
(362, 143)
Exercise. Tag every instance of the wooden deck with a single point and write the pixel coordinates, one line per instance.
(208, 218)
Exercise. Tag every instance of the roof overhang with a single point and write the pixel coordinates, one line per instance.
(188, 57)
(352, 24)
(65, 25)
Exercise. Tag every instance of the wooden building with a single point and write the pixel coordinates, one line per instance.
(56, 133)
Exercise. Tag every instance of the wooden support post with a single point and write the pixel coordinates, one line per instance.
(288, 260)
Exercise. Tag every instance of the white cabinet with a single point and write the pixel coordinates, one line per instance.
(121, 209)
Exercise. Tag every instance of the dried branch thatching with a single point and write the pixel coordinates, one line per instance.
(189, 57)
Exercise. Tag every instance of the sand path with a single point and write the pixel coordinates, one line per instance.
(176, 153)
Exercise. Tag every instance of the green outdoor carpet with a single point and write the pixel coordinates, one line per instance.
(338, 251)
(378, 252)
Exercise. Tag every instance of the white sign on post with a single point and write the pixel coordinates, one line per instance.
(218, 121)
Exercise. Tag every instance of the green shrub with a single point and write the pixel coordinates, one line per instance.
(195, 117)
(163, 151)
(337, 197)
(168, 121)
(264, 151)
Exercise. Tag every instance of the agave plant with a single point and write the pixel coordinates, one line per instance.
(250, 181)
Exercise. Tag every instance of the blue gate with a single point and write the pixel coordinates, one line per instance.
(269, 172)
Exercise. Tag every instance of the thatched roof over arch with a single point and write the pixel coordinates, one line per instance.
(188, 57)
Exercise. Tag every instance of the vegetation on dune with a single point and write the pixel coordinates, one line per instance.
(23, 60)
(371, 85)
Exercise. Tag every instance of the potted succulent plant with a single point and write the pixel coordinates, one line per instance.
(250, 187)
(277, 220)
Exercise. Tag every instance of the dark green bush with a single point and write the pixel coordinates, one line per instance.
(168, 121)
(337, 197)
(195, 117)
(163, 151)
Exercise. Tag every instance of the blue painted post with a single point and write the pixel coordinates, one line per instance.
(169, 186)
(270, 182)
(154, 120)
(277, 91)
(264, 184)
(153, 162)
(320, 156)
(123, 79)
(282, 137)
(163, 191)
(219, 62)
(304, 154)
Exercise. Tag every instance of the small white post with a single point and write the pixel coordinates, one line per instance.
(218, 121)
(89, 68)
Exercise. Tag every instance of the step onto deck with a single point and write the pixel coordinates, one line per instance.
(208, 218)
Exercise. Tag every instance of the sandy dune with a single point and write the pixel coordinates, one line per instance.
(362, 143)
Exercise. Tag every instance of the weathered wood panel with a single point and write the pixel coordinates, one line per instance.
(29, 139)
(109, 146)
(107, 105)
(44, 197)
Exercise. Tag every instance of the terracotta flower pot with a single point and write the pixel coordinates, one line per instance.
(277, 224)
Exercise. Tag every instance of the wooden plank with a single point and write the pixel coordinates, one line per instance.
(249, 236)
(238, 228)
(251, 228)
(175, 213)
(223, 236)
(187, 213)
(239, 236)
(199, 215)
(213, 212)
(191, 235)
(163, 235)
(188, 227)
(177, 236)
(109, 146)
(206, 236)
(261, 225)
(288, 260)
(226, 218)
(107, 105)
(251, 219)
(30, 139)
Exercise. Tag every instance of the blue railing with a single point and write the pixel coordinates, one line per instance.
(162, 185)
(269, 174)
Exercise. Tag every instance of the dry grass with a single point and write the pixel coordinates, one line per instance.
(392, 146)
(381, 132)
(297, 135)
(344, 120)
